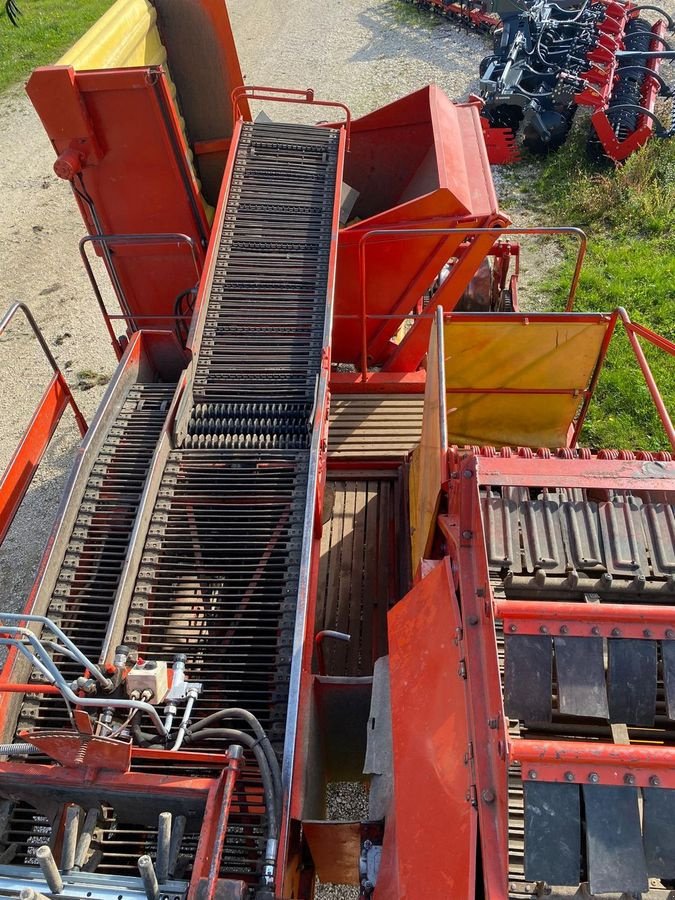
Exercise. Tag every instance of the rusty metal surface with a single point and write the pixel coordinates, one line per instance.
(335, 849)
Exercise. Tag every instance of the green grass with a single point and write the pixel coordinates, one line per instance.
(46, 29)
(629, 215)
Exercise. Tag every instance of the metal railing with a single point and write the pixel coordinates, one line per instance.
(109, 240)
(468, 232)
(24, 463)
(287, 95)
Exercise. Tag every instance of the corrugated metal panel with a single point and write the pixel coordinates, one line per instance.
(125, 36)
(375, 425)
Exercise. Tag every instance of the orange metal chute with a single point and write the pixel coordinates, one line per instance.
(418, 162)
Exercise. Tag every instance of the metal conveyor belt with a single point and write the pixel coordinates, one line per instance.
(220, 572)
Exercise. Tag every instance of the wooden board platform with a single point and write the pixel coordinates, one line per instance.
(364, 565)
(373, 426)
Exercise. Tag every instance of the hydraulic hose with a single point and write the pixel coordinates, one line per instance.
(17, 749)
(259, 731)
(231, 734)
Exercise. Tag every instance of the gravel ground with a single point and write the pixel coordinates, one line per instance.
(364, 52)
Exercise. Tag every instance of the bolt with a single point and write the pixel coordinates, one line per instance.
(647, 632)
(473, 620)
(468, 474)
(595, 630)
(532, 774)
(616, 632)
(569, 776)
(543, 629)
(654, 780)
(513, 628)
(488, 796)
(670, 633)
(593, 778)
(629, 779)
(564, 629)
(467, 535)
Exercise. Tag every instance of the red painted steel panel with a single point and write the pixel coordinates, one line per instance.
(440, 176)
(24, 463)
(141, 184)
(432, 772)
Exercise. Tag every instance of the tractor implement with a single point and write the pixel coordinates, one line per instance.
(548, 60)
(332, 521)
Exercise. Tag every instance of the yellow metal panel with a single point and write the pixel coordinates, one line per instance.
(427, 465)
(126, 35)
(532, 354)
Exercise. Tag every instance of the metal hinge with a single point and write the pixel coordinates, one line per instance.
(461, 669)
(472, 793)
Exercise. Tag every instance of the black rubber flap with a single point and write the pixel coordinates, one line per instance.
(631, 681)
(668, 656)
(658, 823)
(615, 856)
(552, 832)
(528, 662)
(580, 671)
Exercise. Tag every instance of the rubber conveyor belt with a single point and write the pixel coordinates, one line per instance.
(220, 570)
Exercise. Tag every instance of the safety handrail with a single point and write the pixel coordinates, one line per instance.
(633, 330)
(23, 465)
(107, 240)
(498, 232)
(287, 95)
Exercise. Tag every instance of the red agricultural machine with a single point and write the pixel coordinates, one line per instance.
(331, 523)
(551, 58)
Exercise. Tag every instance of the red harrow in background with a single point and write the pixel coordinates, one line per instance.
(551, 58)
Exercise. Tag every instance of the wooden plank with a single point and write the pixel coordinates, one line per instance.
(369, 646)
(356, 600)
(333, 562)
(338, 651)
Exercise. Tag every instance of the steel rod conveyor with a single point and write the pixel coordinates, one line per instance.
(209, 557)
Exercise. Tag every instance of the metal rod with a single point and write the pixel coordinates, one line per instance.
(163, 846)
(149, 877)
(70, 833)
(647, 374)
(90, 702)
(236, 753)
(30, 894)
(604, 347)
(467, 232)
(106, 240)
(86, 836)
(49, 869)
(177, 833)
(287, 95)
(442, 391)
(182, 728)
(4, 322)
(84, 660)
(18, 688)
(318, 641)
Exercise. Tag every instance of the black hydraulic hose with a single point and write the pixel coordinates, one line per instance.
(231, 734)
(661, 12)
(259, 731)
